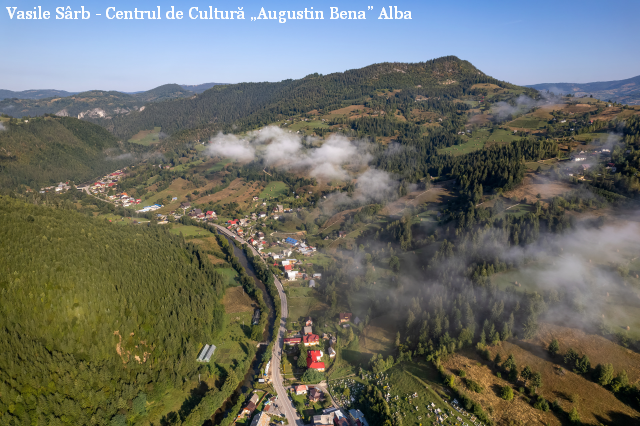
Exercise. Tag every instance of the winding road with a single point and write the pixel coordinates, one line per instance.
(276, 377)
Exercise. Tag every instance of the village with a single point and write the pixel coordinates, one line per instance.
(263, 409)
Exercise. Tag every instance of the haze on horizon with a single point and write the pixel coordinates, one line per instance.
(517, 43)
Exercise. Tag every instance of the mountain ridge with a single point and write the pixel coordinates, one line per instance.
(625, 91)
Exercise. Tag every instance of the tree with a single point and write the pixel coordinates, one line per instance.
(554, 347)
(571, 356)
(346, 392)
(510, 363)
(312, 376)
(583, 365)
(394, 264)
(574, 416)
(536, 381)
(140, 403)
(256, 332)
(507, 393)
(541, 404)
(620, 382)
(526, 373)
(497, 360)
(302, 357)
(604, 374)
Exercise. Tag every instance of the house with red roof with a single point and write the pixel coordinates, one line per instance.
(313, 360)
(310, 339)
(292, 341)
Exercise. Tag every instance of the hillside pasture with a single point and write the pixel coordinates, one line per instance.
(596, 404)
(147, 137)
(236, 300)
(274, 190)
(533, 185)
(526, 123)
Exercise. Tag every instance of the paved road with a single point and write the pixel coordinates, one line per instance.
(276, 377)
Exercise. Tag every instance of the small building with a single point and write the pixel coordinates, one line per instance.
(357, 418)
(310, 339)
(291, 241)
(256, 317)
(312, 283)
(292, 341)
(357, 321)
(315, 395)
(291, 275)
(308, 322)
(345, 317)
(301, 389)
(323, 419)
(317, 276)
(261, 419)
(206, 353)
(313, 360)
(308, 330)
(331, 352)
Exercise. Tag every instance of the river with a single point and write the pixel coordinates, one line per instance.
(247, 382)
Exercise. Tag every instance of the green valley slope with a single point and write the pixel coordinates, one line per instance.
(47, 150)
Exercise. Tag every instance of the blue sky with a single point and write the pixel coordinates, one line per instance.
(516, 41)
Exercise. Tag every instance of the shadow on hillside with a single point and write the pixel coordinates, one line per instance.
(618, 418)
(193, 400)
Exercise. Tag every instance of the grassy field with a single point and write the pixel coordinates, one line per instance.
(479, 139)
(526, 123)
(219, 165)
(470, 146)
(274, 190)
(147, 137)
(189, 231)
(236, 300)
(231, 276)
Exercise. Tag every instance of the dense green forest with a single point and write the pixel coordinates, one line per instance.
(97, 318)
(47, 150)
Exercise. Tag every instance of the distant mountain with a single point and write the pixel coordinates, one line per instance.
(199, 88)
(92, 104)
(46, 150)
(34, 94)
(622, 91)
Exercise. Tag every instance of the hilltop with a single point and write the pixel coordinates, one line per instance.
(250, 105)
(91, 104)
(34, 94)
(622, 91)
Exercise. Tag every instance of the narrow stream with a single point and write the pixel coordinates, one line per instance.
(248, 380)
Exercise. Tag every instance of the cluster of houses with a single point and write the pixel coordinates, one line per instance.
(308, 339)
(292, 275)
(194, 213)
(61, 187)
(262, 418)
(105, 184)
(336, 417)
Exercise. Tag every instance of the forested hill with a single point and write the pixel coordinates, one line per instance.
(33, 94)
(253, 104)
(96, 318)
(46, 150)
(91, 104)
